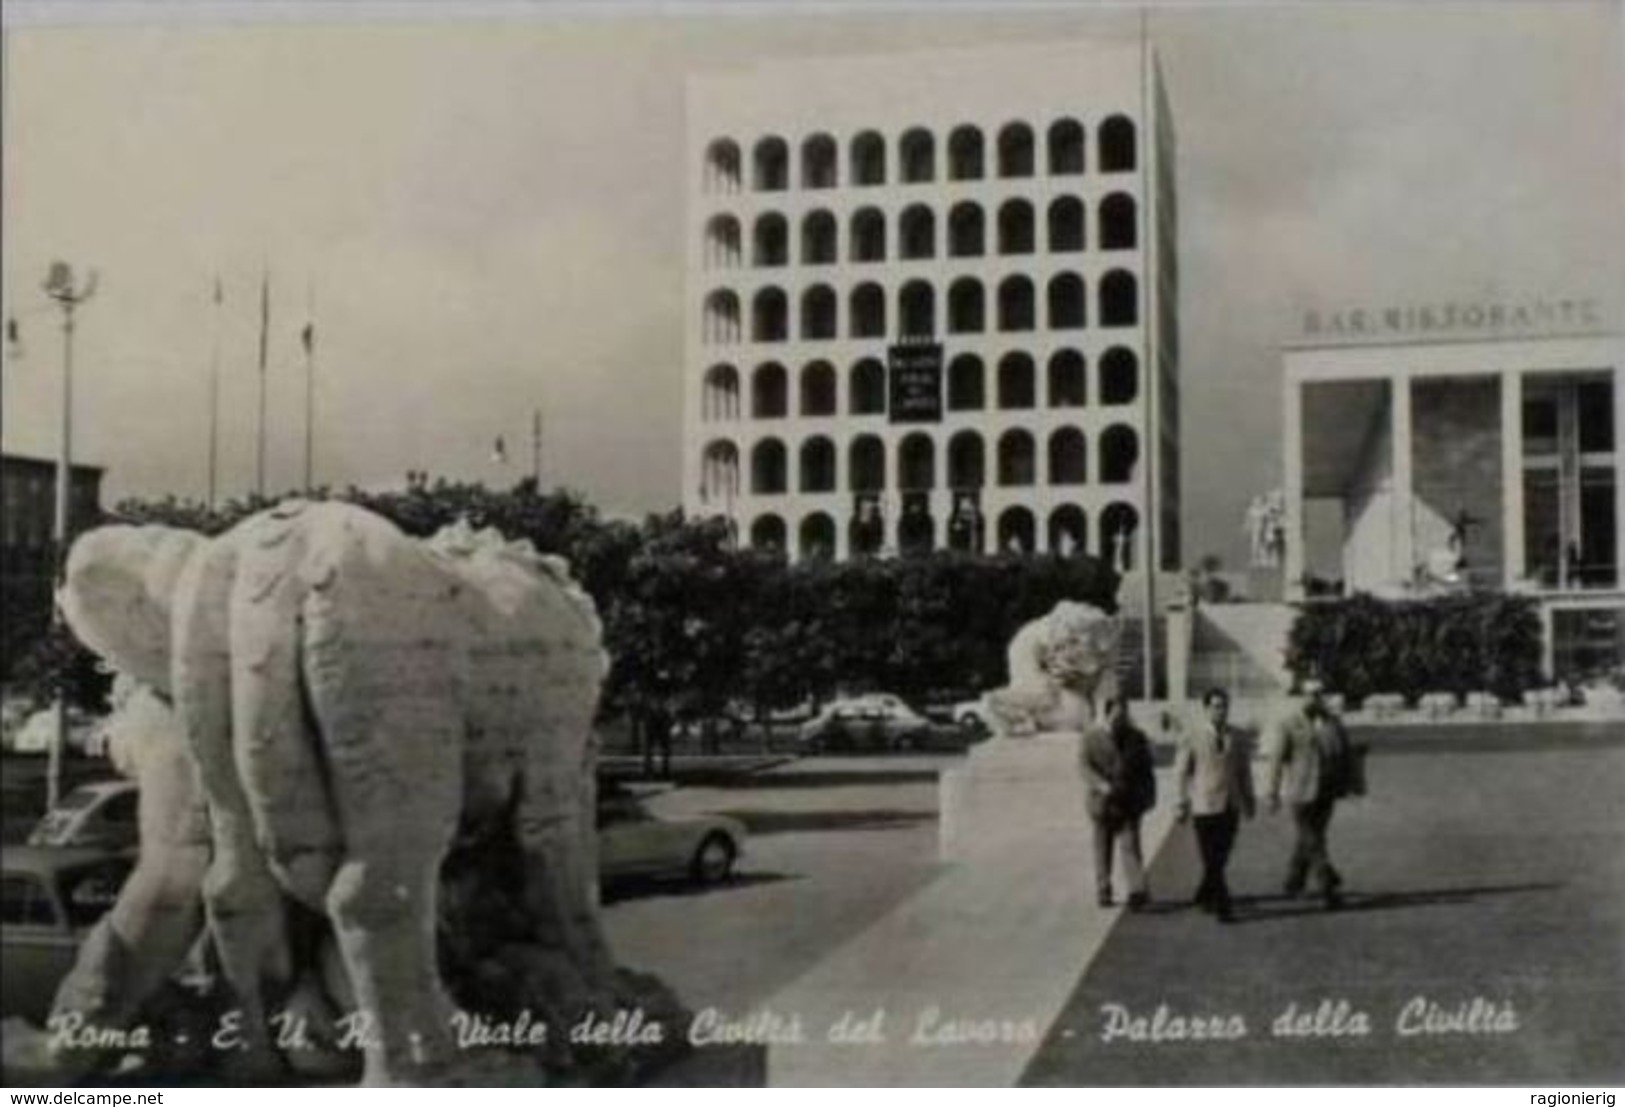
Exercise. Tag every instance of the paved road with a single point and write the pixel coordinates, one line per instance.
(1490, 874)
(835, 843)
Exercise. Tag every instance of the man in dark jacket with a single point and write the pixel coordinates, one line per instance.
(1116, 765)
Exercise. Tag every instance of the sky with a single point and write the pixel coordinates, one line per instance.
(484, 214)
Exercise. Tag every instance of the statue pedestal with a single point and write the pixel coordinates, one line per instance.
(1010, 790)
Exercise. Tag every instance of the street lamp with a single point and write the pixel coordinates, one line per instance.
(60, 286)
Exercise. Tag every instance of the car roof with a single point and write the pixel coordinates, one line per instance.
(46, 860)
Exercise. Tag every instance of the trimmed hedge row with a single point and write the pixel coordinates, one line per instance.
(1468, 643)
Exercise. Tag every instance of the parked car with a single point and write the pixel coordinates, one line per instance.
(972, 717)
(878, 721)
(100, 813)
(632, 841)
(49, 898)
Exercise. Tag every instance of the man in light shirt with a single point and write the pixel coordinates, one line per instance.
(1214, 775)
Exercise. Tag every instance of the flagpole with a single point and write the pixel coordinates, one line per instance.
(265, 339)
(309, 337)
(536, 449)
(214, 394)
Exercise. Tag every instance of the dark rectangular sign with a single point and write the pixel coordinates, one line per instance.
(914, 377)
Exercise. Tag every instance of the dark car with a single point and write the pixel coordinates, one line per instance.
(51, 896)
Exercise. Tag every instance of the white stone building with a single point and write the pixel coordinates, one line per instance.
(931, 302)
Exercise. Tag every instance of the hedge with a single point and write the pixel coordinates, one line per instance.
(1482, 641)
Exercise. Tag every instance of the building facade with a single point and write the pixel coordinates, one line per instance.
(931, 302)
(1463, 461)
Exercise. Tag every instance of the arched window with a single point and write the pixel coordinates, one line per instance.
(1066, 301)
(1119, 376)
(818, 160)
(868, 315)
(818, 239)
(818, 312)
(1066, 224)
(916, 530)
(767, 533)
(1018, 534)
(1119, 454)
(817, 537)
(967, 231)
(1119, 299)
(1017, 389)
(719, 401)
(1117, 222)
(722, 243)
(1116, 145)
(721, 326)
(1068, 457)
(769, 392)
(719, 472)
(917, 310)
(772, 165)
(818, 389)
(868, 240)
(1068, 382)
(722, 162)
(771, 240)
(1016, 309)
(817, 465)
(769, 316)
(1016, 227)
(1118, 524)
(917, 460)
(768, 468)
(866, 464)
(868, 388)
(1016, 462)
(967, 462)
(1068, 531)
(965, 154)
(917, 233)
(1016, 150)
(868, 159)
(967, 384)
(917, 156)
(1065, 147)
(967, 307)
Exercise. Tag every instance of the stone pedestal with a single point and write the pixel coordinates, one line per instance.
(1013, 789)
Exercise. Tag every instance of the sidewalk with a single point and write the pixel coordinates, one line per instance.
(990, 950)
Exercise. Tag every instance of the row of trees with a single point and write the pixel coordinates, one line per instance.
(696, 627)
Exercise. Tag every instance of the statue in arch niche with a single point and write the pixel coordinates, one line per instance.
(1062, 667)
(382, 751)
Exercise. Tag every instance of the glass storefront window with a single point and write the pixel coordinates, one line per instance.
(1570, 482)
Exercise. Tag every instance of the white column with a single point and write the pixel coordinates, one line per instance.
(1514, 568)
(1292, 487)
(1403, 555)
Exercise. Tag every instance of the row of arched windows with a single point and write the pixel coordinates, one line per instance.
(1015, 308)
(965, 156)
(1016, 531)
(1016, 462)
(1015, 386)
(1014, 232)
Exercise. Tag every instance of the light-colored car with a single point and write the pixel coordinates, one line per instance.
(877, 721)
(632, 841)
(50, 897)
(101, 813)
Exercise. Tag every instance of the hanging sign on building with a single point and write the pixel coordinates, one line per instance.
(914, 378)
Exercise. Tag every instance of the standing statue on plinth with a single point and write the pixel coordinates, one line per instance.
(1257, 527)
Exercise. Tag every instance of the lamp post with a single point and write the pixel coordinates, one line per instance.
(61, 287)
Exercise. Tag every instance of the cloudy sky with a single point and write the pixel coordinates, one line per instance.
(487, 214)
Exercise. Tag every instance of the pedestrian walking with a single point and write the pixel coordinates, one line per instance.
(1310, 761)
(1115, 761)
(1213, 771)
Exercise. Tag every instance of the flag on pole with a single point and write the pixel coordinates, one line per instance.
(499, 451)
(308, 338)
(219, 293)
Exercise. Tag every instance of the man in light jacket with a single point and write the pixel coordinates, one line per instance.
(1115, 761)
(1214, 774)
(1310, 762)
